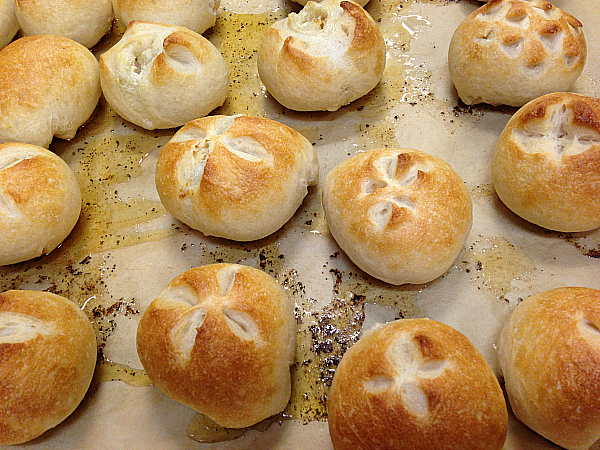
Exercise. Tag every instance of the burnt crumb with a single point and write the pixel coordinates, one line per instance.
(335, 255)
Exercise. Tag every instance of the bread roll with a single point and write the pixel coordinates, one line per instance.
(400, 215)
(196, 15)
(8, 22)
(163, 76)
(546, 166)
(415, 384)
(40, 202)
(221, 339)
(304, 2)
(509, 52)
(322, 58)
(236, 177)
(83, 21)
(549, 352)
(49, 86)
(48, 354)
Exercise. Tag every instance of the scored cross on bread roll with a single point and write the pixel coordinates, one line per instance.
(221, 338)
(322, 58)
(549, 352)
(546, 165)
(415, 384)
(509, 52)
(49, 86)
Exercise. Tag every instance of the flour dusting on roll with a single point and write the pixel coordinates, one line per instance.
(400, 215)
(236, 177)
(163, 76)
(549, 352)
(509, 52)
(415, 384)
(48, 351)
(49, 86)
(221, 338)
(322, 58)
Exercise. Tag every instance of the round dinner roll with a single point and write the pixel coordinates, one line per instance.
(549, 352)
(509, 52)
(83, 21)
(163, 76)
(401, 215)
(40, 202)
(221, 338)
(415, 384)
(196, 15)
(48, 353)
(8, 22)
(235, 177)
(546, 165)
(322, 58)
(49, 86)
(304, 2)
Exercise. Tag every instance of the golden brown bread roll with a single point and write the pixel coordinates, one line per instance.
(322, 58)
(549, 352)
(415, 384)
(400, 215)
(512, 51)
(236, 177)
(220, 339)
(81, 20)
(49, 86)
(546, 165)
(163, 76)
(8, 22)
(48, 355)
(304, 2)
(40, 202)
(196, 15)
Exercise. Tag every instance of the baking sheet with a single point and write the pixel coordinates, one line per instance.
(126, 248)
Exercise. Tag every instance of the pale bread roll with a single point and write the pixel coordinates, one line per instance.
(48, 349)
(546, 165)
(40, 202)
(400, 215)
(83, 21)
(8, 22)
(49, 86)
(415, 384)
(512, 51)
(163, 76)
(236, 177)
(549, 352)
(196, 15)
(322, 58)
(220, 339)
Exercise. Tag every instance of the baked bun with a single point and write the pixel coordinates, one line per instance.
(415, 384)
(8, 22)
(49, 86)
(220, 339)
(163, 76)
(546, 166)
(236, 177)
(509, 52)
(196, 15)
(83, 21)
(400, 215)
(322, 58)
(40, 202)
(549, 352)
(304, 2)
(48, 354)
